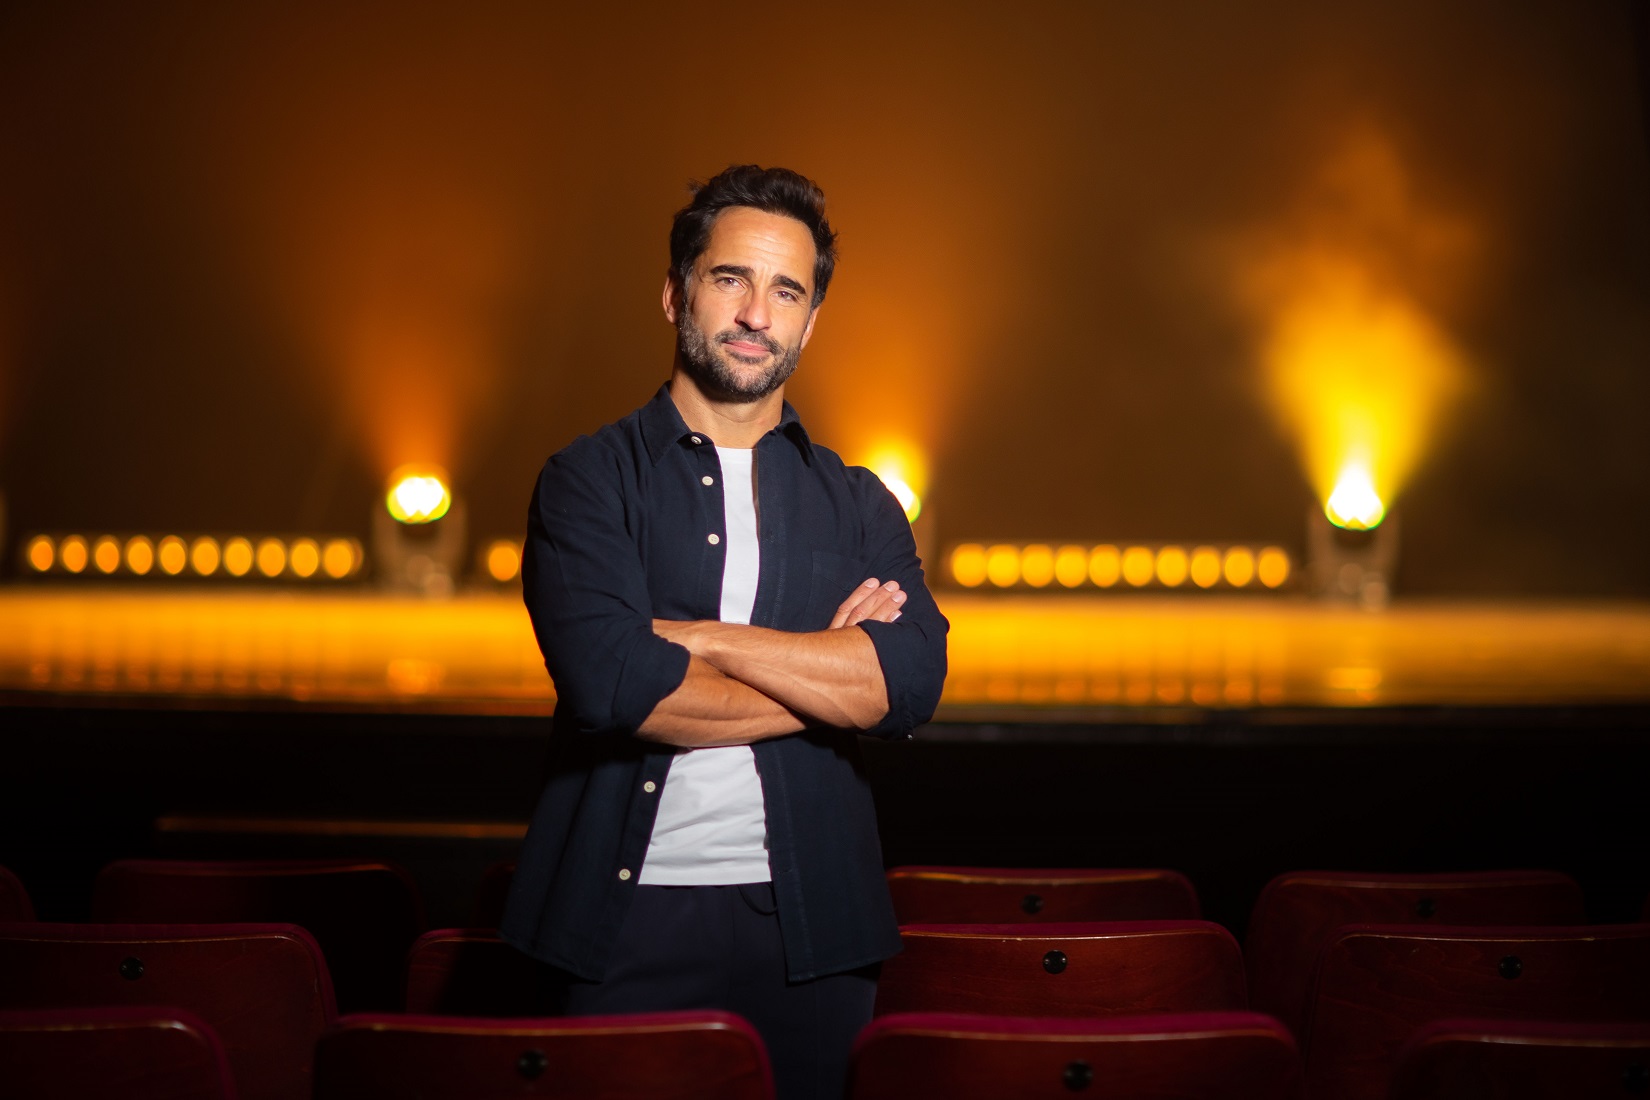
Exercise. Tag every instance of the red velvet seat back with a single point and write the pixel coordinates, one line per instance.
(1096, 969)
(135, 1053)
(263, 988)
(1214, 1055)
(1518, 1060)
(657, 1056)
(1298, 913)
(470, 972)
(986, 895)
(364, 914)
(1377, 984)
(14, 899)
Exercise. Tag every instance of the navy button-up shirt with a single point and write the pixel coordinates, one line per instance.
(619, 533)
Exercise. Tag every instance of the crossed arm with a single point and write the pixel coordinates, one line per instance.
(749, 683)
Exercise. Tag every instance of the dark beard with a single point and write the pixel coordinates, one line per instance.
(710, 371)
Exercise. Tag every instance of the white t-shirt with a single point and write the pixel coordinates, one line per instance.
(712, 823)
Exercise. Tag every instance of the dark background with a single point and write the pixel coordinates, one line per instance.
(252, 257)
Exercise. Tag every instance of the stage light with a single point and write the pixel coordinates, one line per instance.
(907, 497)
(1272, 567)
(41, 553)
(1037, 565)
(1105, 566)
(418, 494)
(204, 556)
(1354, 504)
(106, 554)
(340, 558)
(1171, 566)
(305, 558)
(901, 468)
(503, 560)
(172, 555)
(1239, 566)
(1071, 566)
(72, 553)
(1002, 565)
(1205, 567)
(968, 565)
(237, 557)
(1138, 566)
(140, 555)
(271, 557)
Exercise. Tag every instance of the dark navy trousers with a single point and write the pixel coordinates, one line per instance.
(696, 947)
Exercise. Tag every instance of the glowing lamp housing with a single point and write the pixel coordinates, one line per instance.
(1354, 503)
(418, 494)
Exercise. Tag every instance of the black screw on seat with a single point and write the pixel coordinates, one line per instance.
(1511, 967)
(1425, 908)
(131, 969)
(1635, 1078)
(1032, 903)
(1054, 962)
(1078, 1076)
(532, 1064)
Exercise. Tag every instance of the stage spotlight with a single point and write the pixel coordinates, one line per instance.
(72, 553)
(418, 537)
(1138, 564)
(1037, 565)
(1105, 566)
(1002, 565)
(1272, 567)
(271, 557)
(172, 555)
(1205, 567)
(968, 565)
(504, 560)
(305, 558)
(418, 494)
(1351, 564)
(340, 558)
(1071, 566)
(237, 557)
(41, 553)
(204, 556)
(140, 555)
(1354, 504)
(1239, 566)
(106, 554)
(1171, 566)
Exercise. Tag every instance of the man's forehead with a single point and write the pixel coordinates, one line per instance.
(745, 236)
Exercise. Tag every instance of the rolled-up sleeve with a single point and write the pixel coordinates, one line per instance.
(586, 592)
(911, 651)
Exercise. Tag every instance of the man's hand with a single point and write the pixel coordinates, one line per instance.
(871, 600)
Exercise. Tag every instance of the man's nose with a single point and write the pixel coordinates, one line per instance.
(754, 313)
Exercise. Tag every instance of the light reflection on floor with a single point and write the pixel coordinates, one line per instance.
(1060, 654)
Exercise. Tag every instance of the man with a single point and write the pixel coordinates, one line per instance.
(724, 607)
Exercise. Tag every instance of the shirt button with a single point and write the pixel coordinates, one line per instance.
(696, 439)
(715, 539)
(708, 480)
(624, 874)
(650, 786)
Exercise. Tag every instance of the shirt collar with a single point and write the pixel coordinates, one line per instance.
(662, 425)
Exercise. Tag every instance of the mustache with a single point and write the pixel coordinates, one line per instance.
(768, 343)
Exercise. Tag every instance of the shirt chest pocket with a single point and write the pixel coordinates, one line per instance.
(834, 577)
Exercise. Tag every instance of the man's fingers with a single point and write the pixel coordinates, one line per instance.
(882, 605)
(858, 596)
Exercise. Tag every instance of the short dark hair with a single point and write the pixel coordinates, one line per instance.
(773, 190)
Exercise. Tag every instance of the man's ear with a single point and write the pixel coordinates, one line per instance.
(808, 329)
(673, 297)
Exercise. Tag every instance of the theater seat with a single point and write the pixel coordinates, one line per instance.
(262, 987)
(1378, 984)
(14, 899)
(1194, 1056)
(1523, 1060)
(1298, 913)
(363, 913)
(991, 895)
(137, 1053)
(1090, 969)
(657, 1056)
(470, 972)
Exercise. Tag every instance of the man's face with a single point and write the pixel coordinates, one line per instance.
(745, 314)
